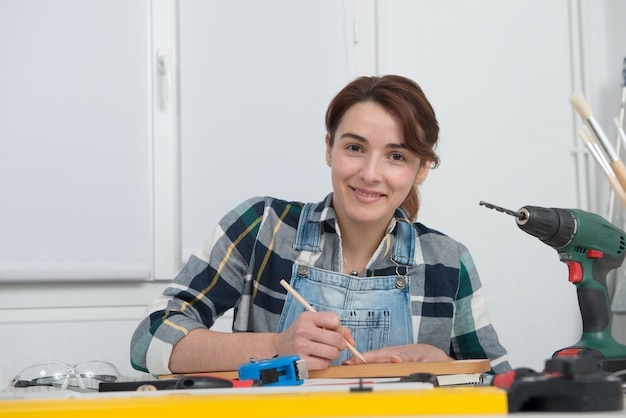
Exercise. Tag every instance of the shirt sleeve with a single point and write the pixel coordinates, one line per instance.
(474, 336)
(209, 284)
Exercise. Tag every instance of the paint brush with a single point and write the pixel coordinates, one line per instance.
(581, 106)
(594, 148)
(309, 308)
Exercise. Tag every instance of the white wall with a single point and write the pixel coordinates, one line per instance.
(499, 75)
(253, 107)
(501, 94)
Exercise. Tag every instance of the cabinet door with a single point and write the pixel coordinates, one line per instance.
(74, 140)
(256, 78)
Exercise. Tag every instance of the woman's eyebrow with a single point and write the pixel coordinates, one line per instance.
(365, 141)
(354, 136)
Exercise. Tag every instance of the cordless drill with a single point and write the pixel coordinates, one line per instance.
(591, 247)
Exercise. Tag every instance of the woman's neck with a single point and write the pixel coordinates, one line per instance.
(358, 244)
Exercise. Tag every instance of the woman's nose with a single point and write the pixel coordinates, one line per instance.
(370, 171)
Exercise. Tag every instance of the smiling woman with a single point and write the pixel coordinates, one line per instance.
(373, 170)
(416, 295)
(378, 153)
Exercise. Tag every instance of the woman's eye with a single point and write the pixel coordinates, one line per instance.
(353, 147)
(397, 157)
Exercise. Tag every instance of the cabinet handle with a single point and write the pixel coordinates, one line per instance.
(164, 71)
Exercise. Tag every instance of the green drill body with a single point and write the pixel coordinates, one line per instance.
(597, 247)
(591, 247)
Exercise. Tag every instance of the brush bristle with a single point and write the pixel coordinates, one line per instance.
(580, 105)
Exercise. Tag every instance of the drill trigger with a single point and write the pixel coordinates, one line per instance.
(575, 270)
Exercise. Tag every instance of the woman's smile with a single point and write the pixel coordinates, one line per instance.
(366, 196)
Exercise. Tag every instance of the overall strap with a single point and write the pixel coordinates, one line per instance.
(309, 232)
(404, 253)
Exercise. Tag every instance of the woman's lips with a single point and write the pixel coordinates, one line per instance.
(365, 195)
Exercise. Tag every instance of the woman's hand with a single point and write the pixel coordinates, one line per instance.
(316, 337)
(402, 353)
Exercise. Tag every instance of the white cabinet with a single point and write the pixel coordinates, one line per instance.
(74, 140)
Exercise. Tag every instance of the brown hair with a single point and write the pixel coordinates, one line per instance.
(407, 103)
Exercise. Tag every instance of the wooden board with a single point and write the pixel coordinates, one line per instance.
(386, 369)
(402, 369)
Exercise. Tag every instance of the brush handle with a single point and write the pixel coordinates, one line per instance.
(620, 172)
(604, 141)
(586, 137)
(617, 189)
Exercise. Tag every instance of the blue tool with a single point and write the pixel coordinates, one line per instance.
(277, 371)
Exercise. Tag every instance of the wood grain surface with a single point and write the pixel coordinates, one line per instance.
(383, 369)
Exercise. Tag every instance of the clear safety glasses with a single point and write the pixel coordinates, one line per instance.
(82, 377)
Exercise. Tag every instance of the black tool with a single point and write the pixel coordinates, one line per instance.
(139, 385)
(421, 377)
(566, 385)
(211, 382)
(194, 381)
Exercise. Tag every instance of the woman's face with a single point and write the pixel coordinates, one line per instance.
(372, 170)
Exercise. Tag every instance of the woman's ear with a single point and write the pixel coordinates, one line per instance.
(328, 149)
(422, 173)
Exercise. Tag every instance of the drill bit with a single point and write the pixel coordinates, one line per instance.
(519, 215)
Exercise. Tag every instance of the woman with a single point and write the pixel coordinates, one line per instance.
(395, 289)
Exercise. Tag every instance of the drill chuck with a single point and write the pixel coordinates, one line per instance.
(556, 227)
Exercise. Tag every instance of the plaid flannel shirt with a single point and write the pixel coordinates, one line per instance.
(251, 250)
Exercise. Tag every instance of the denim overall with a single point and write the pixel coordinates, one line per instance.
(377, 310)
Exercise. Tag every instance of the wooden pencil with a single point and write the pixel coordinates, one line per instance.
(309, 308)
